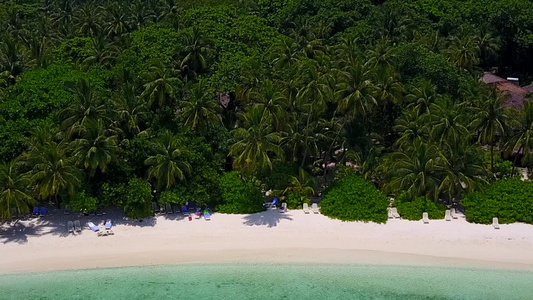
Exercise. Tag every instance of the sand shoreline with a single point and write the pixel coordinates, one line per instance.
(268, 237)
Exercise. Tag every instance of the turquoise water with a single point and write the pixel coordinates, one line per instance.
(254, 281)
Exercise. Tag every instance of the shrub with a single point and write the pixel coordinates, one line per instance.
(170, 197)
(413, 209)
(295, 200)
(354, 199)
(511, 200)
(239, 197)
(138, 200)
(83, 202)
(113, 194)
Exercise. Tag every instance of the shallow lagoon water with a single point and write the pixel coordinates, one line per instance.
(270, 281)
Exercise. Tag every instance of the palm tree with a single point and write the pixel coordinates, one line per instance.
(411, 126)
(491, 121)
(199, 108)
(422, 97)
(286, 54)
(95, 147)
(118, 22)
(303, 184)
(14, 193)
(417, 170)
(256, 144)
(464, 51)
(160, 85)
(522, 141)
(11, 60)
(85, 108)
(131, 110)
(196, 48)
(54, 171)
(355, 92)
(169, 163)
(449, 122)
(87, 20)
(273, 103)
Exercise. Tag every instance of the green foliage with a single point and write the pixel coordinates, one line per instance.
(138, 199)
(410, 209)
(295, 200)
(170, 197)
(238, 196)
(510, 200)
(279, 178)
(83, 202)
(354, 199)
(113, 194)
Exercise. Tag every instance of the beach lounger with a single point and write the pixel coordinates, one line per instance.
(425, 218)
(314, 208)
(92, 226)
(448, 215)
(495, 223)
(77, 226)
(155, 207)
(162, 209)
(70, 227)
(184, 210)
(44, 212)
(395, 213)
(35, 211)
(453, 213)
(389, 213)
(198, 213)
(108, 224)
(169, 208)
(66, 211)
(207, 215)
(305, 208)
(283, 207)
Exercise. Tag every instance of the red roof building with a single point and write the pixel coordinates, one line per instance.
(513, 93)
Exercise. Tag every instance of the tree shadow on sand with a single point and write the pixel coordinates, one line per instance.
(269, 218)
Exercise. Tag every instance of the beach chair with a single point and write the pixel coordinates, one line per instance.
(448, 215)
(169, 208)
(207, 215)
(198, 213)
(495, 223)
(66, 210)
(272, 204)
(305, 208)
(314, 208)
(389, 213)
(44, 212)
(155, 207)
(184, 210)
(92, 226)
(108, 224)
(425, 218)
(77, 226)
(35, 211)
(453, 213)
(395, 213)
(283, 207)
(70, 227)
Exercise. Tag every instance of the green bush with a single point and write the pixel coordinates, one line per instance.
(295, 200)
(83, 203)
(239, 197)
(139, 198)
(413, 209)
(170, 197)
(113, 194)
(354, 199)
(511, 200)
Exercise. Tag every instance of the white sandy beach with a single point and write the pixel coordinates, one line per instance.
(270, 237)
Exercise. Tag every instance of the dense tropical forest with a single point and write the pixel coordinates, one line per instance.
(121, 103)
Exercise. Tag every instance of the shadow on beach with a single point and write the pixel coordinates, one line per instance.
(55, 223)
(269, 218)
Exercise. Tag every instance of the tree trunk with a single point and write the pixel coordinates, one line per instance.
(57, 201)
(515, 158)
(492, 161)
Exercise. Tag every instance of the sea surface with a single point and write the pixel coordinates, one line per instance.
(270, 281)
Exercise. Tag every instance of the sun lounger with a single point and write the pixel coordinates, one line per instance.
(314, 208)
(389, 213)
(162, 209)
(305, 208)
(77, 226)
(108, 224)
(155, 207)
(92, 226)
(184, 210)
(198, 213)
(448, 215)
(394, 212)
(453, 213)
(44, 212)
(169, 208)
(283, 207)
(495, 223)
(70, 227)
(207, 215)
(425, 218)
(66, 211)
(35, 211)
